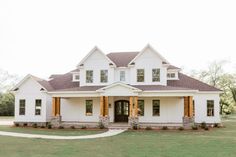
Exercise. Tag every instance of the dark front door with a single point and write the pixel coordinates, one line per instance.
(121, 111)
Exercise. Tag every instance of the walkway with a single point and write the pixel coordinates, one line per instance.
(111, 132)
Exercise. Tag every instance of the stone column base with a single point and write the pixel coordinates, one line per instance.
(104, 120)
(188, 121)
(56, 121)
(133, 122)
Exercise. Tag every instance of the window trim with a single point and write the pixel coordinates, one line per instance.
(143, 108)
(140, 75)
(86, 76)
(106, 74)
(86, 114)
(36, 107)
(74, 77)
(213, 108)
(124, 77)
(159, 107)
(21, 107)
(159, 78)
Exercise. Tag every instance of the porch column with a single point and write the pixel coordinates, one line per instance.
(136, 106)
(131, 106)
(188, 106)
(56, 106)
(106, 106)
(101, 105)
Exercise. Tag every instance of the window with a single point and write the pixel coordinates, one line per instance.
(89, 76)
(156, 107)
(76, 77)
(122, 75)
(38, 106)
(171, 75)
(155, 75)
(141, 107)
(103, 76)
(140, 75)
(22, 107)
(89, 108)
(210, 107)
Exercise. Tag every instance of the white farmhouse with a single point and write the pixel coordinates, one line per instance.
(127, 87)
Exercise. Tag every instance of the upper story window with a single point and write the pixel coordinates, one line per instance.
(76, 77)
(22, 107)
(171, 75)
(140, 75)
(38, 106)
(210, 107)
(155, 75)
(89, 76)
(122, 75)
(104, 76)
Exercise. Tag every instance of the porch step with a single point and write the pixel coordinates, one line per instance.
(118, 126)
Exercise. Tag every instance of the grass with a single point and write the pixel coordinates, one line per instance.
(217, 142)
(7, 117)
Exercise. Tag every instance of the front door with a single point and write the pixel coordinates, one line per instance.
(121, 111)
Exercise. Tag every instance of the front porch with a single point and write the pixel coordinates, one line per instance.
(111, 111)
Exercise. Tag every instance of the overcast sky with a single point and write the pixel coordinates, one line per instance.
(52, 36)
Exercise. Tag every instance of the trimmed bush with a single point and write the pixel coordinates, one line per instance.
(101, 125)
(25, 124)
(194, 127)
(83, 127)
(164, 128)
(148, 128)
(61, 127)
(135, 126)
(216, 125)
(206, 128)
(49, 126)
(17, 124)
(34, 125)
(42, 126)
(181, 128)
(203, 125)
(72, 127)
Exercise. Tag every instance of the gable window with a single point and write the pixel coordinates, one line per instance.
(89, 76)
(171, 75)
(122, 75)
(38, 106)
(155, 75)
(141, 107)
(89, 107)
(22, 107)
(210, 107)
(104, 76)
(156, 107)
(140, 75)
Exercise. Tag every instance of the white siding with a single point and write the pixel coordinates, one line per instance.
(30, 90)
(201, 108)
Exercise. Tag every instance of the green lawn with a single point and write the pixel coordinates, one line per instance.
(214, 143)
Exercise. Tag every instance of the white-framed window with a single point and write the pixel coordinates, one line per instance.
(89, 76)
(140, 75)
(22, 107)
(76, 77)
(122, 75)
(89, 107)
(104, 76)
(155, 75)
(210, 108)
(38, 106)
(156, 107)
(141, 107)
(171, 75)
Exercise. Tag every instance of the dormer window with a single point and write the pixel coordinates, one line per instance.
(76, 77)
(171, 75)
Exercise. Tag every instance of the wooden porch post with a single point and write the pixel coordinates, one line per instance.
(101, 105)
(56, 106)
(136, 106)
(190, 106)
(106, 106)
(130, 106)
(53, 106)
(186, 107)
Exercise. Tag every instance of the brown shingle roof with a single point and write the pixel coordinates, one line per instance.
(122, 59)
(189, 82)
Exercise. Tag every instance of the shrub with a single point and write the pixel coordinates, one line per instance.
(181, 128)
(206, 128)
(34, 125)
(216, 125)
(72, 127)
(83, 127)
(42, 126)
(101, 125)
(49, 126)
(164, 128)
(148, 128)
(17, 124)
(135, 126)
(203, 125)
(194, 127)
(61, 127)
(25, 124)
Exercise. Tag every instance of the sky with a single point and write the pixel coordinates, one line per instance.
(52, 36)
